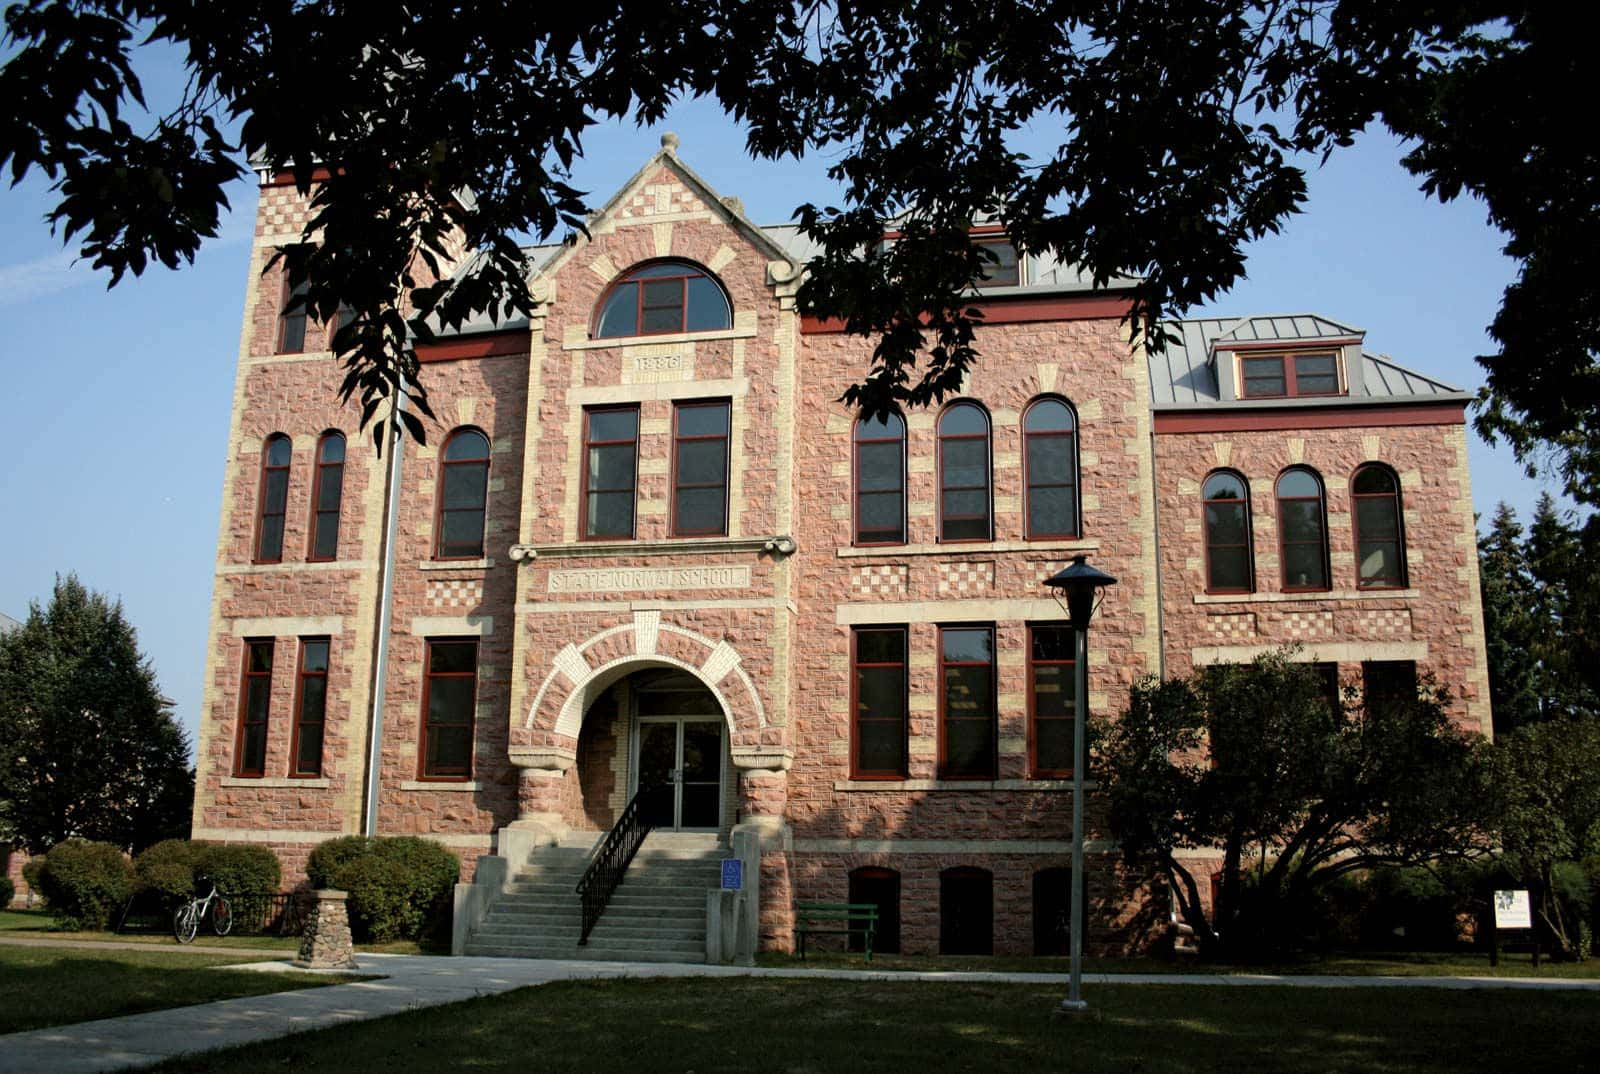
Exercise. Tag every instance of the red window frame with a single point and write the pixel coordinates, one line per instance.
(1397, 505)
(1028, 484)
(633, 279)
(302, 719)
(327, 475)
(446, 465)
(584, 485)
(1321, 499)
(1069, 682)
(990, 719)
(857, 440)
(986, 485)
(247, 721)
(1210, 543)
(857, 666)
(1288, 372)
(425, 770)
(269, 471)
(678, 484)
(292, 323)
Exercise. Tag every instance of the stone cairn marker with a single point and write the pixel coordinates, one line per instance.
(326, 944)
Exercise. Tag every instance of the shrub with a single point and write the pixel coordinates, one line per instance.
(85, 884)
(8, 891)
(167, 868)
(399, 887)
(32, 871)
(172, 867)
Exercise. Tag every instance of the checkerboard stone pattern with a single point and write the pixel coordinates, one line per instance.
(659, 199)
(455, 592)
(1384, 623)
(960, 579)
(881, 580)
(1308, 626)
(1233, 627)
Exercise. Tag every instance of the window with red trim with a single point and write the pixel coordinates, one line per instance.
(964, 501)
(1006, 268)
(463, 495)
(1380, 531)
(1050, 469)
(878, 702)
(310, 709)
(255, 702)
(327, 494)
(880, 480)
(1270, 376)
(292, 317)
(967, 728)
(610, 469)
(1386, 684)
(1052, 689)
(663, 297)
(700, 469)
(275, 456)
(1225, 504)
(449, 697)
(1302, 530)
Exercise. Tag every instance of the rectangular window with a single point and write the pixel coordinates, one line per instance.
(310, 709)
(700, 469)
(449, 696)
(878, 659)
(610, 468)
(966, 703)
(1052, 704)
(1284, 375)
(1328, 673)
(255, 697)
(1385, 683)
(1006, 271)
(292, 321)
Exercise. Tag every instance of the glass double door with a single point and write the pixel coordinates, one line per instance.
(680, 764)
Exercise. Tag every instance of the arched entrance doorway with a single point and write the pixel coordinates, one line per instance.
(680, 751)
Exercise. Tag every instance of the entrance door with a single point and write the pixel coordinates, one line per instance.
(682, 758)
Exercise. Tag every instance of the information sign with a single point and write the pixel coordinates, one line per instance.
(1511, 910)
(732, 874)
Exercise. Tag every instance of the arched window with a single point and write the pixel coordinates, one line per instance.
(880, 475)
(327, 494)
(964, 474)
(463, 494)
(1380, 533)
(1050, 469)
(881, 888)
(1227, 516)
(966, 912)
(663, 297)
(275, 454)
(1302, 529)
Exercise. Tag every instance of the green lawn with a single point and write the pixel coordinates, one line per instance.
(46, 986)
(788, 1026)
(39, 925)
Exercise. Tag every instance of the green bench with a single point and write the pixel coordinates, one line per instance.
(849, 918)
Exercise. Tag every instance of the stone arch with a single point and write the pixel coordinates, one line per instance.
(580, 672)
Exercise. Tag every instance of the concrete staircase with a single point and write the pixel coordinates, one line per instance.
(657, 914)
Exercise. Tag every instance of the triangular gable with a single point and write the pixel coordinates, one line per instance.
(1289, 328)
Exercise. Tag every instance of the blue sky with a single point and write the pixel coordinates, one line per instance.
(117, 401)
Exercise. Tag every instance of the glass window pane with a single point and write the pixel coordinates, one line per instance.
(700, 802)
(1301, 520)
(1230, 568)
(1305, 385)
(1375, 519)
(330, 487)
(702, 462)
(611, 468)
(879, 467)
(881, 693)
(662, 294)
(316, 656)
(967, 505)
(461, 533)
(613, 424)
(1223, 487)
(880, 646)
(467, 445)
(660, 269)
(1050, 460)
(261, 657)
(1002, 270)
(445, 657)
(892, 426)
(708, 307)
(703, 420)
(969, 747)
(257, 698)
(1048, 415)
(879, 511)
(1052, 643)
(963, 419)
(333, 449)
(1303, 567)
(313, 698)
(881, 746)
(621, 314)
(1052, 511)
(1299, 483)
(278, 452)
(611, 514)
(271, 537)
(308, 762)
(964, 646)
(1052, 745)
(253, 750)
(669, 319)
(450, 701)
(1225, 523)
(464, 484)
(294, 332)
(1380, 563)
(965, 462)
(965, 529)
(1373, 479)
(1052, 691)
(700, 511)
(277, 492)
(449, 750)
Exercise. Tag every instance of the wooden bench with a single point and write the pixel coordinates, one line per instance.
(849, 918)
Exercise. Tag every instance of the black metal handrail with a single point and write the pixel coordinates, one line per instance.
(611, 860)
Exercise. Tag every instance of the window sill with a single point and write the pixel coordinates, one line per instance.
(309, 783)
(890, 551)
(1323, 594)
(667, 546)
(456, 564)
(441, 785)
(738, 331)
(902, 785)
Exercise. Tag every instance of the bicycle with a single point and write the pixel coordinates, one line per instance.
(214, 907)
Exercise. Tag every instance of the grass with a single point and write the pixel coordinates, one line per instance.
(48, 986)
(1354, 964)
(39, 925)
(788, 1026)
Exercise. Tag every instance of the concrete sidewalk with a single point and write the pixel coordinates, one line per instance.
(412, 981)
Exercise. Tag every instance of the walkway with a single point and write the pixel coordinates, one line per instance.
(412, 981)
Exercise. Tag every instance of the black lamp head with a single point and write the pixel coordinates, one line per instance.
(1078, 582)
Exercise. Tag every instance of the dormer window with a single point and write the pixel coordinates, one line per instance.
(1279, 376)
(662, 298)
(1006, 271)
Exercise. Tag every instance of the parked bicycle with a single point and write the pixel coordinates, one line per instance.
(212, 908)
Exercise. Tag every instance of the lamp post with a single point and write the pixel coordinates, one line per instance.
(1079, 583)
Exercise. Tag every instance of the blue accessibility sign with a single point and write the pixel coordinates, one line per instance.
(732, 874)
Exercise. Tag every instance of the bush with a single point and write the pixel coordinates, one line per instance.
(32, 870)
(399, 887)
(85, 884)
(8, 891)
(173, 866)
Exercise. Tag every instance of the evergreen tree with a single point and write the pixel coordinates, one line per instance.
(1508, 623)
(88, 746)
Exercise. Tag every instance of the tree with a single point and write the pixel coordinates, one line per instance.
(88, 746)
(1293, 787)
(1181, 127)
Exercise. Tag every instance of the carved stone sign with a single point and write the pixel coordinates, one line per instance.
(634, 579)
(653, 366)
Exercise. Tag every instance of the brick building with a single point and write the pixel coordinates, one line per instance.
(646, 546)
